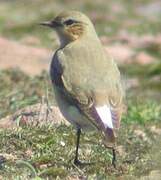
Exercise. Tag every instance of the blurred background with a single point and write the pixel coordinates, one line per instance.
(129, 30)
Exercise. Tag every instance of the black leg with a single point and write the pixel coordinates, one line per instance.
(76, 161)
(2, 161)
(114, 157)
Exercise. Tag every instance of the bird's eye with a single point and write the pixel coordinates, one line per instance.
(69, 22)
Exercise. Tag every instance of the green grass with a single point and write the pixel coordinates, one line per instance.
(143, 112)
(49, 152)
(19, 90)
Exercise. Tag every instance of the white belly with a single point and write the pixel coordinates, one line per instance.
(72, 114)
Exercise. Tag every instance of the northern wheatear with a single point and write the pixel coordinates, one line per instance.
(86, 80)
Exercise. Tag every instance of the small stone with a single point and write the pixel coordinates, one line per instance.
(155, 130)
(144, 58)
(62, 143)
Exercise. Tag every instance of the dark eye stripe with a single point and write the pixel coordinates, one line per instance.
(69, 22)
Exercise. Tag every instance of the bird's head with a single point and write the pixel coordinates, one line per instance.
(70, 26)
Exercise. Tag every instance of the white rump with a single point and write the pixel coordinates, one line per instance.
(105, 115)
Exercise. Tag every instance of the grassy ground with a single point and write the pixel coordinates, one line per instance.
(47, 152)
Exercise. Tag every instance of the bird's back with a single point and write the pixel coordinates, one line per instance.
(87, 67)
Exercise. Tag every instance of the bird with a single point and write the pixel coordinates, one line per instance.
(86, 80)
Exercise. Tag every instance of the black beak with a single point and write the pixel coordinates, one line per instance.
(52, 24)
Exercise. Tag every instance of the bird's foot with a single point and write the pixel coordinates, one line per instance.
(80, 163)
(77, 162)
